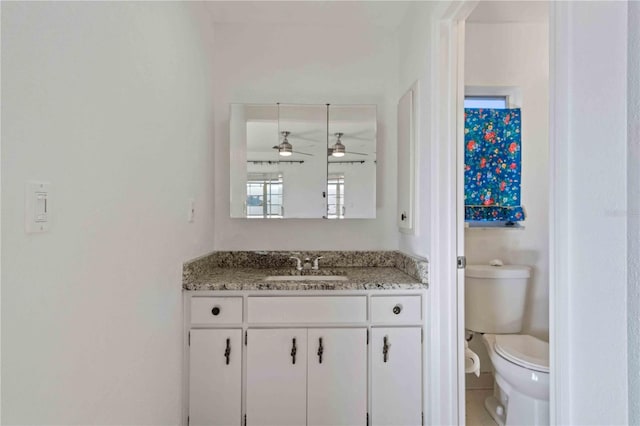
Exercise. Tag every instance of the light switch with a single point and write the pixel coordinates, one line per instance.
(41, 206)
(37, 207)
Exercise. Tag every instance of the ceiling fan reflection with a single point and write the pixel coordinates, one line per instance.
(339, 150)
(285, 149)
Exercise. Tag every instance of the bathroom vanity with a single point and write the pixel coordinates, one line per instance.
(302, 349)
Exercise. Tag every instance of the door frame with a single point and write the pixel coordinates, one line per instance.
(446, 376)
(448, 235)
(559, 165)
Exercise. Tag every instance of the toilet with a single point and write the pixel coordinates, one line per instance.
(494, 306)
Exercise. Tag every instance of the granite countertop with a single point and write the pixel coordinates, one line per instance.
(248, 270)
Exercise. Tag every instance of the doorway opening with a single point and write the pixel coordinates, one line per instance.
(506, 66)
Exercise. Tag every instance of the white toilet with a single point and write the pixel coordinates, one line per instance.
(494, 305)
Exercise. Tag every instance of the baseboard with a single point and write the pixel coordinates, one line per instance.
(485, 381)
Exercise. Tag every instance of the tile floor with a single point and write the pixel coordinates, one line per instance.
(476, 414)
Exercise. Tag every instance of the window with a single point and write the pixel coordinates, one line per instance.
(492, 160)
(335, 197)
(495, 102)
(497, 97)
(264, 196)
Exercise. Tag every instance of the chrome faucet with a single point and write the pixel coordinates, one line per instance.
(307, 264)
(298, 262)
(315, 263)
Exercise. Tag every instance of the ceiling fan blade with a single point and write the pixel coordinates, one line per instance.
(356, 153)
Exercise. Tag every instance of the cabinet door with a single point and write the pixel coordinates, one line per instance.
(337, 376)
(397, 376)
(406, 159)
(277, 377)
(214, 384)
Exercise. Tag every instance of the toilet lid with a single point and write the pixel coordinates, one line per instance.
(524, 350)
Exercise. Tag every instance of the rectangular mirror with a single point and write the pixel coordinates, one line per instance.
(302, 161)
(351, 178)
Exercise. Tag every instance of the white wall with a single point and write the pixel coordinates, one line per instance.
(415, 51)
(589, 232)
(522, 60)
(359, 193)
(111, 103)
(424, 45)
(303, 187)
(633, 211)
(296, 63)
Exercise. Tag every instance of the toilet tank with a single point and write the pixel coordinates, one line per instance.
(495, 297)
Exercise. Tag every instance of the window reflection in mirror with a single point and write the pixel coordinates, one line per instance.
(335, 197)
(264, 195)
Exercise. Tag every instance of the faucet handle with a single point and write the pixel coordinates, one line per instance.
(298, 262)
(315, 262)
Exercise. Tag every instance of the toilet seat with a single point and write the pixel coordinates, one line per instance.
(524, 350)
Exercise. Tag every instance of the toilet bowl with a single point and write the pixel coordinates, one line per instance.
(495, 297)
(521, 391)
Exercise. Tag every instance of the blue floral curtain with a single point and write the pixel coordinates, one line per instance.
(492, 172)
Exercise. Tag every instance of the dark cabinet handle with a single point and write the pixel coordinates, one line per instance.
(403, 216)
(294, 350)
(397, 309)
(320, 350)
(215, 311)
(227, 351)
(385, 349)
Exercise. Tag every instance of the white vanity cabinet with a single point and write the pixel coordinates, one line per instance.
(337, 376)
(304, 358)
(299, 376)
(277, 376)
(215, 379)
(396, 382)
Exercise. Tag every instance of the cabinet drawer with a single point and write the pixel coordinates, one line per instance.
(396, 309)
(309, 309)
(216, 310)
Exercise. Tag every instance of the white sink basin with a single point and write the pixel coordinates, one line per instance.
(306, 278)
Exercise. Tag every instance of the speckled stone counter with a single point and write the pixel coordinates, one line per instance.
(365, 270)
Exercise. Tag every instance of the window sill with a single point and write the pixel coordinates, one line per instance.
(493, 225)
